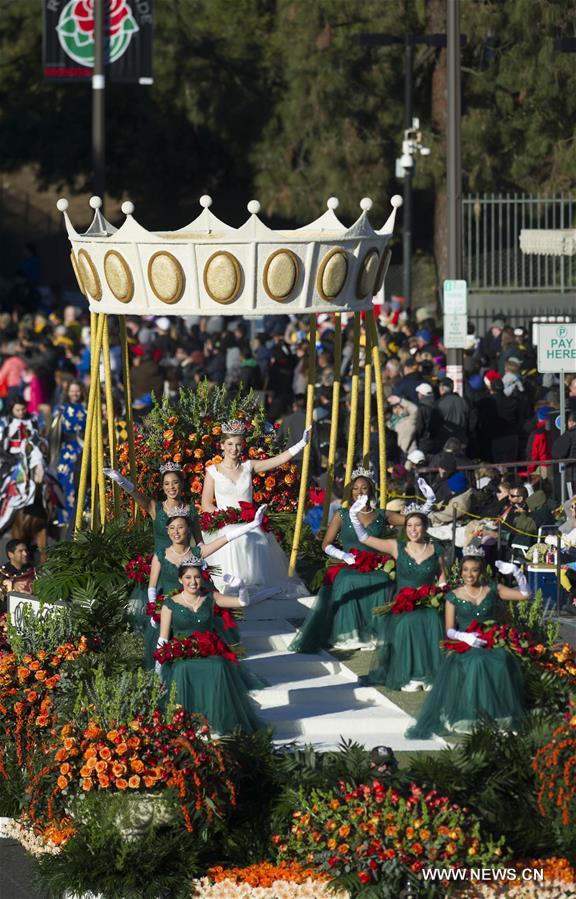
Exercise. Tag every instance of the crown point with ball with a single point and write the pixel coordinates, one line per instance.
(95, 202)
(205, 201)
(62, 204)
(128, 208)
(253, 207)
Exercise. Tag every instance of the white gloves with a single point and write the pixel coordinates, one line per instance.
(243, 597)
(335, 553)
(428, 494)
(517, 573)
(157, 665)
(355, 508)
(305, 440)
(240, 529)
(122, 482)
(472, 640)
(152, 594)
(232, 581)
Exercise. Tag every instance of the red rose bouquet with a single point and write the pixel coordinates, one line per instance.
(154, 608)
(198, 645)
(214, 521)
(365, 563)
(138, 569)
(429, 596)
(498, 636)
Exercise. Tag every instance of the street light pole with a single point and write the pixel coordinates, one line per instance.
(407, 217)
(454, 169)
(99, 102)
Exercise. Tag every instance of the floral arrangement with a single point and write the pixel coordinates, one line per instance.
(198, 645)
(555, 768)
(186, 431)
(365, 562)
(363, 829)
(265, 874)
(134, 756)
(214, 521)
(429, 596)
(4, 641)
(26, 704)
(286, 880)
(561, 660)
(138, 569)
(22, 830)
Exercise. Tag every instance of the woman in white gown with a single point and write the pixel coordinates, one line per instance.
(254, 557)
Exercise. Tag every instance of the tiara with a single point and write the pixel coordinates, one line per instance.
(233, 427)
(170, 466)
(192, 562)
(362, 472)
(178, 512)
(414, 509)
(473, 552)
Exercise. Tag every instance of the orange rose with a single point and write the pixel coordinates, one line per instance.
(134, 782)
(344, 849)
(122, 749)
(344, 831)
(196, 486)
(198, 453)
(150, 781)
(87, 784)
(40, 675)
(205, 438)
(118, 769)
(32, 696)
(331, 843)
(270, 482)
(197, 469)
(258, 497)
(104, 753)
(168, 435)
(137, 766)
(92, 731)
(23, 674)
(85, 771)
(177, 457)
(111, 735)
(101, 767)
(121, 784)
(133, 742)
(61, 755)
(103, 781)
(35, 665)
(62, 782)
(91, 763)
(173, 420)
(65, 768)
(91, 752)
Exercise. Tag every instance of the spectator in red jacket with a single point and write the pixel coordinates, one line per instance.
(540, 441)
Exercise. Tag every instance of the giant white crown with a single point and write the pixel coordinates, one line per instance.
(210, 268)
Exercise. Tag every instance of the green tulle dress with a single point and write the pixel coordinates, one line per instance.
(215, 687)
(343, 610)
(139, 595)
(473, 683)
(167, 583)
(409, 643)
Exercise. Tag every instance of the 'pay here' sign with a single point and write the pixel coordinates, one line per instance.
(557, 347)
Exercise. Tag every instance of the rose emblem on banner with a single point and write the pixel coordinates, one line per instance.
(76, 30)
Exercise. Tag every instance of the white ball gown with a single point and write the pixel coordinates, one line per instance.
(254, 557)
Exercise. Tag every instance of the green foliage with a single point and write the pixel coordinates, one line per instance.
(491, 773)
(94, 561)
(530, 616)
(45, 630)
(100, 860)
(119, 698)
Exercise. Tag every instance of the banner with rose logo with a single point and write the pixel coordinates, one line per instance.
(69, 40)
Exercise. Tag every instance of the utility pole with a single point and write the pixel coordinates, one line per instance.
(411, 143)
(99, 101)
(454, 170)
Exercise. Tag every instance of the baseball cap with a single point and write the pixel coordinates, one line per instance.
(424, 389)
(416, 457)
(163, 323)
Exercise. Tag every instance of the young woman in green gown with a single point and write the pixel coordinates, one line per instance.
(408, 653)
(341, 616)
(479, 681)
(213, 686)
(159, 510)
(166, 562)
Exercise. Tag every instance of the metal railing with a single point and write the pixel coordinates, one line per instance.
(492, 256)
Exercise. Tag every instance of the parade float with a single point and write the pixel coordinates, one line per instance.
(118, 794)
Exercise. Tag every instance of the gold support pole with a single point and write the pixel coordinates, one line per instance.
(367, 398)
(94, 467)
(100, 459)
(96, 346)
(308, 448)
(128, 403)
(353, 410)
(110, 415)
(371, 323)
(334, 417)
(94, 380)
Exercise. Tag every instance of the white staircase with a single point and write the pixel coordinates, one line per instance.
(315, 698)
